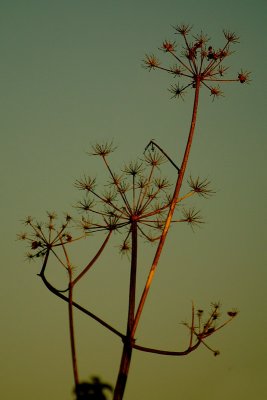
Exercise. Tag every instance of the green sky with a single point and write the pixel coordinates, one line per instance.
(71, 75)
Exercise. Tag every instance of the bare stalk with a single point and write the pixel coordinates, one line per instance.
(72, 336)
(71, 320)
(94, 259)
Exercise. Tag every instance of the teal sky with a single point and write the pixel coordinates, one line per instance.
(70, 75)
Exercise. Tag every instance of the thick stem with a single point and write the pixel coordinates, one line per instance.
(171, 209)
(123, 371)
(129, 339)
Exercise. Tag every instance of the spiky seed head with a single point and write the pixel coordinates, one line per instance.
(231, 37)
(243, 76)
(215, 92)
(86, 183)
(151, 62)
(183, 29)
(154, 158)
(232, 313)
(51, 215)
(177, 91)
(200, 187)
(133, 168)
(103, 149)
(168, 46)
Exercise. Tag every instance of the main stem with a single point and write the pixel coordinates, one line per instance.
(172, 207)
(129, 339)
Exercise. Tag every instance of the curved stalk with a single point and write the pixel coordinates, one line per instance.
(168, 352)
(94, 259)
(172, 207)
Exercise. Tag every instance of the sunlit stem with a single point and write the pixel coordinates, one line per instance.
(129, 339)
(172, 207)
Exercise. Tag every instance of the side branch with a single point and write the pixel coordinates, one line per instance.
(166, 352)
(78, 306)
(152, 144)
(94, 259)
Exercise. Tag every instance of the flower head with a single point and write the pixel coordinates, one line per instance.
(45, 237)
(199, 62)
(177, 91)
(243, 76)
(231, 37)
(139, 195)
(215, 92)
(103, 149)
(151, 62)
(168, 46)
(200, 187)
(192, 217)
(183, 29)
(202, 327)
(232, 313)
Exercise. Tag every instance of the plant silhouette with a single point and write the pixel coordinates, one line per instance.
(93, 390)
(142, 201)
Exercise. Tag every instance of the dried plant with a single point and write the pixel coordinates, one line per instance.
(141, 201)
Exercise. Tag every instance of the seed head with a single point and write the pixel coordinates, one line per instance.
(51, 215)
(125, 247)
(168, 46)
(85, 183)
(215, 91)
(133, 168)
(154, 158)
(232, 313)
(202, 188)
(151, 62)
(243, 76)
(192, 217)
(22, 236)
(102, 149)
(177, 91)
(183, 29)
(231, 37)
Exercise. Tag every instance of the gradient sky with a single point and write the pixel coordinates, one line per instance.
(71, 75)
